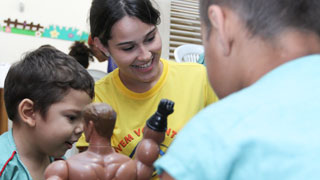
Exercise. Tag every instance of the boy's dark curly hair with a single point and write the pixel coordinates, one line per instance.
(45, 76)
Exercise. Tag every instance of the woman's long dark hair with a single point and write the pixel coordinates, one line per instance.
(105, 13)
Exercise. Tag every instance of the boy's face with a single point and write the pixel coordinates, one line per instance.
(63, 124)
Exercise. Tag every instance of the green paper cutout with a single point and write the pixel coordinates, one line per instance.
(24, 32)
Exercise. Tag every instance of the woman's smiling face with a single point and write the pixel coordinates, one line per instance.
(136, 48)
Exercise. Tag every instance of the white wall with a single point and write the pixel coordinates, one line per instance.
(69, 13)
(164, 7)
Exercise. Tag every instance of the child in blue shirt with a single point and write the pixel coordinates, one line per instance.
(44, 96)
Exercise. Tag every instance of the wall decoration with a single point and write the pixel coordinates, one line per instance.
(37, 30)
(64, 33)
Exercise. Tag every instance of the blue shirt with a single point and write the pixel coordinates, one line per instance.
(269, 130)
(111, 65)
(11, 166)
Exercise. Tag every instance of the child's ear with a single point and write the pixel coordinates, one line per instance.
(26, 112)
(218, 20)
(88, 130)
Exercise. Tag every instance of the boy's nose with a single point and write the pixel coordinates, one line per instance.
(79, 129)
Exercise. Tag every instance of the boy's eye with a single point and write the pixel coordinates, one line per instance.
(71, 117)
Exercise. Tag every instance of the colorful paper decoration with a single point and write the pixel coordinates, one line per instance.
(64, 33)
(55, 32)
(24, 24)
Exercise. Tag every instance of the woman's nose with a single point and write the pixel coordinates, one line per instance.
(145, 54)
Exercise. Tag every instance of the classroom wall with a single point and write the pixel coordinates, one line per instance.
(70, 13)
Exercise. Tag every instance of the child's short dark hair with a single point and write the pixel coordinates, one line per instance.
(44, 76)
(268, 18)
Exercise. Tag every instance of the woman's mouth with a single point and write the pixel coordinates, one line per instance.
(144, 66)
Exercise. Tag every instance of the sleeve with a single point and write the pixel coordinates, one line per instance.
(100, 90)
(97, 97)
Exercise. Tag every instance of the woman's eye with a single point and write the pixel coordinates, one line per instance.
(150, 39)
(128, 48)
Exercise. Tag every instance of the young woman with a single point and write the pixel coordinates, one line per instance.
(127, 31)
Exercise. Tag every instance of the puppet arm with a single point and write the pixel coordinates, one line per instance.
(57, 170)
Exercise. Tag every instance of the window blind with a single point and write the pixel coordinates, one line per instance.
(184, 24)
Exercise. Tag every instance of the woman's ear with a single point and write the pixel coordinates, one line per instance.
(88, 130)
(97, 43)
(218, 18)
(26, 112)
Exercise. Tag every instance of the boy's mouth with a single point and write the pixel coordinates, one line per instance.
(69, 144)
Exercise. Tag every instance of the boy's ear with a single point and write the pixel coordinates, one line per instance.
(100, 46)
(26, 112)
(88, 130)
(218, 20)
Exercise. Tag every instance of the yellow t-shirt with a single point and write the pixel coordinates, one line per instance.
(184, 83)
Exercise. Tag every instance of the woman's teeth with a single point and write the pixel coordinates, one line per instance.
(143, 66)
